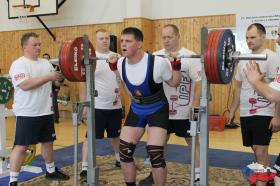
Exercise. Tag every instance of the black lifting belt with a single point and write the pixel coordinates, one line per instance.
(158, 96)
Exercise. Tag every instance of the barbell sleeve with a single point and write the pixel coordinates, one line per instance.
(239, 56)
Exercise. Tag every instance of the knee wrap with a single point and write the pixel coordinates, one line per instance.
(156, 156)
(126, 151)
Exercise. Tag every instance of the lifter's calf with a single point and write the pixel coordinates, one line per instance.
(16, 160)
(159, 170)
(47, 152)
(17, 157)
(261, 153)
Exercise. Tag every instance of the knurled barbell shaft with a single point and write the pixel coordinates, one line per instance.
(180, 57)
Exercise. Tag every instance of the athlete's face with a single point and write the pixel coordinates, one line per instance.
(255, 40)
(129, 45)
(102, 41)
(32, 48)
(170, 39)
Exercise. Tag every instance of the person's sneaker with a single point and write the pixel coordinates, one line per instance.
(118, 163)
(83, 176)
(197, 181)
(57, 175)
(14, 183)
(270, 183)
(147, 181)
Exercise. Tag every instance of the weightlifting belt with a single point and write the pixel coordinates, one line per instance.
(158, 96)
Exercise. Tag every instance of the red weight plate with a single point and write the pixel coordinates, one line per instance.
(212, 51)
(214, 57)
(207, 56)
(66, 62)
(71, 57)
(75, 58)
(63, 61)
(212, 74)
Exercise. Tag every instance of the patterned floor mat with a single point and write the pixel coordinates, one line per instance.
(178, 175)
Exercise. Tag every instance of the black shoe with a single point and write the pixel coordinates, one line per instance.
(197, 181)
(57, 175)
(147, 181)
(118, 163)
(83, 174)
(270, 183)
(14, 183)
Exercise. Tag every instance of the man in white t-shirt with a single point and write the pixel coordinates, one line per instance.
(32, 78)
(257, 114)
(182, 98)
(143, 75)
(108, 107)
(271, 91)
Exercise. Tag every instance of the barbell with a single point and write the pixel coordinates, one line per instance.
(219, 57)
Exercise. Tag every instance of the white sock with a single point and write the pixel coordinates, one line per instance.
(13, 176)
(50, 167)
(84, 166)
(197, 173)
(117, 156)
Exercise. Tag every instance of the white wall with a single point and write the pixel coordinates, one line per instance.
(186, 8)
(72, 12)
(81, 12)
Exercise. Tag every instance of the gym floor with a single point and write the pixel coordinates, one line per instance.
(229, 139)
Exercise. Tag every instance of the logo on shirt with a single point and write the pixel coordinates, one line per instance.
(117, 95)
(137, 92)
(258, 103)
(19, 76)
(277, 78)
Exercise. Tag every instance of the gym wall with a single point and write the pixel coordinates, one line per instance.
(190, 38)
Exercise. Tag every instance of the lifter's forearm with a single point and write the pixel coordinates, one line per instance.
(266, 91)
(236, 98)
(176, 79)
(33, 83)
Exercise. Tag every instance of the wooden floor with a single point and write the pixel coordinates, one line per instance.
(229, 139)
